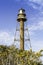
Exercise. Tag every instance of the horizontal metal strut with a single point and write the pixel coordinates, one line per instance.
(24, 40)
(19, 29)
(16, 40)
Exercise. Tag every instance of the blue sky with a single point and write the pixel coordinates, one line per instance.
(8, 15)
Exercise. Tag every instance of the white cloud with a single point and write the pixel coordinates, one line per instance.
(37, 1)
(6, 38)
(37, 44)
(38, 26)
(36, 4)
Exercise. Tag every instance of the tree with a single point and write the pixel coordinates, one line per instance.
(9, 55)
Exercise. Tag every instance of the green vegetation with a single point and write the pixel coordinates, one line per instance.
(9, 55)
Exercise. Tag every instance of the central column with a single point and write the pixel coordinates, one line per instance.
(21, 34)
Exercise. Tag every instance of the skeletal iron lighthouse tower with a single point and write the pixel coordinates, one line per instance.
(23, 38)
(21, 18)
